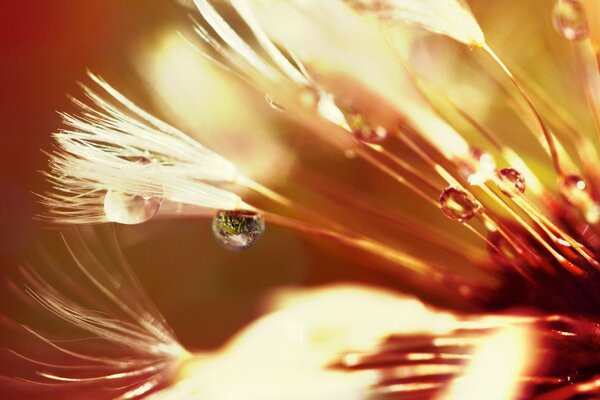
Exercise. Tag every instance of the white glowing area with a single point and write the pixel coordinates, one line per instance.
(288, 353)
(495, 369)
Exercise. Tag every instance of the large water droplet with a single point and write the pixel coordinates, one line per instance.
(237, 229)
(511, 182)
(570, 20)
(365, 132)
(130, 209)
(458, 204)
(477, 167)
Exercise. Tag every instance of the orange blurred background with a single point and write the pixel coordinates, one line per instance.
(205, 292)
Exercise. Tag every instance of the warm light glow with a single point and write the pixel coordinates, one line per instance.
(215, 108)
(287, 353)
(495, 369)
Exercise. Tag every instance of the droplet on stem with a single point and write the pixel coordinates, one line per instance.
(575, 191)
(365, 132)
(130, 209)
(477, 167)
(569, 19)
(458, 205)
(237, 229)
(511, 182)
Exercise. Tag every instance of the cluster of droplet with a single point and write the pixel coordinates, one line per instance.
(570, 21)
(478, 168)
(234, 229)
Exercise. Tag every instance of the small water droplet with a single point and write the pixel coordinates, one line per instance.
(569, 19)
(274, 105)
(130, 209)
(477, 167)
(237, 229)
(365, 132)
(458, 204)
(511, 182)
(575, 191)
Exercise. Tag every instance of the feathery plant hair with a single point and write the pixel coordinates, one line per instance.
(115, 162)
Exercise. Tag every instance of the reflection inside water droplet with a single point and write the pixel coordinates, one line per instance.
(365, 132)
(511, 182)
(569, 19)
(575, 191)
(458, 204)
(130, 209)
(237, 229)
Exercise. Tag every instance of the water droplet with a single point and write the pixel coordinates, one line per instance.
(130, 209)
(274, 105)
(575, 191)
(458, 204)
(365, 132)
(511, 182)
(237, 229)
(477, 167)
(570, 20)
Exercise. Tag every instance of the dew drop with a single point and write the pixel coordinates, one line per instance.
(363, 131)
(511, 182)
(458, 204)
(570, 20)
(130, 209)
(576, 192)
(574, 189)
(237, 229)
(477, 167)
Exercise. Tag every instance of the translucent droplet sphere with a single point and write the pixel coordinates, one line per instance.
(575, 191)
(458, 204)
(371, 135)
(363, 131)
(130, 209)
(237, 229)
(511, 182)
(477, 167)
(569, 19)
